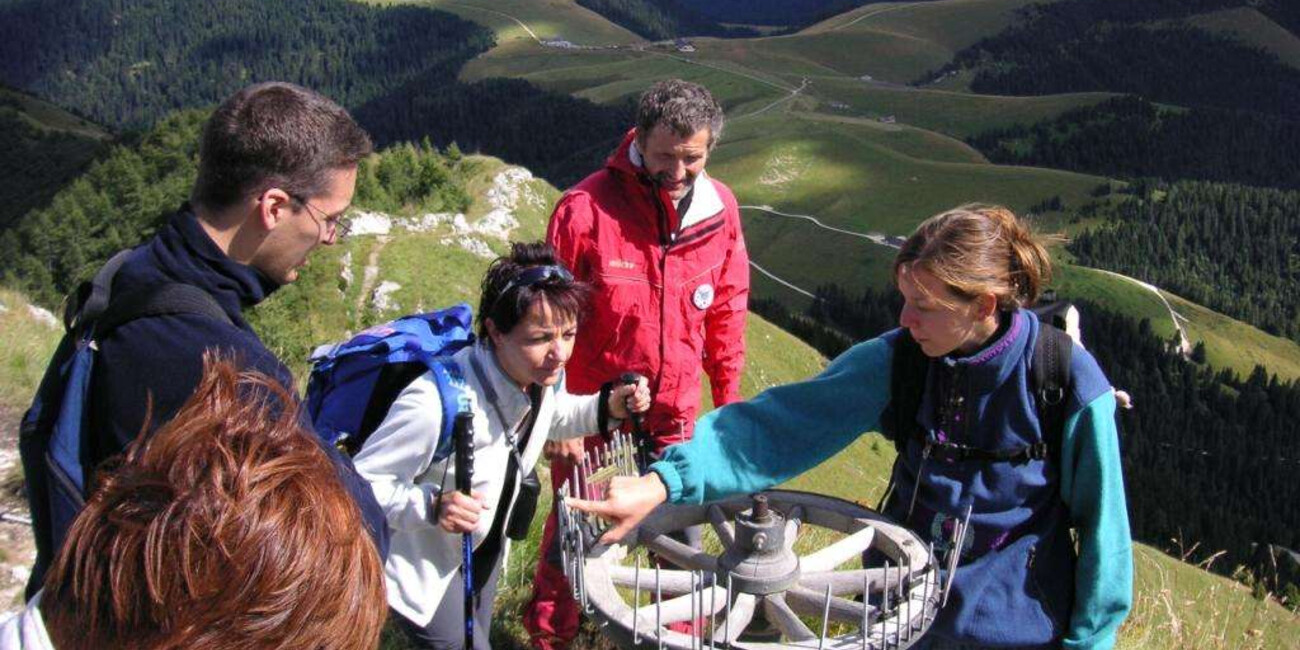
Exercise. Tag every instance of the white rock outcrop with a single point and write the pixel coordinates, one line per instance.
(431, 220)
(43, 316)
(371, 223)
(382, 299)
(345, 270)
(497, 223)
(474, 245)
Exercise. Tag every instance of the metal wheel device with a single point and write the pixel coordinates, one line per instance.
(757, 592)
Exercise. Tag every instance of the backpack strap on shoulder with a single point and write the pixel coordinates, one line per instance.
(908, 372)
(162, 300)
(90, 299)
(1050, 374)
(907, 375)
(451, 391)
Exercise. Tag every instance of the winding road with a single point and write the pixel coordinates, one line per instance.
(881, 239)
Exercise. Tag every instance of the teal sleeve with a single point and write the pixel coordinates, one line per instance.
(751, 446)
(1092, 485)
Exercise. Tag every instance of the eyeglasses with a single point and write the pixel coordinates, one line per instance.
(535, 275)
(338, 224)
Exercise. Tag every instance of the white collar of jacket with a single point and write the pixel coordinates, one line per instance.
(512, 402)
(704, 204)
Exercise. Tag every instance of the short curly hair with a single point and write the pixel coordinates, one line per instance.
(227, 528)
(682, 106)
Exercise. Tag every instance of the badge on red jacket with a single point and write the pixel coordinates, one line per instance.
(703, 296)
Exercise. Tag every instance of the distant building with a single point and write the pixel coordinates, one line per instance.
(683, 45)
(887, 119)
(840, 106)
(558, 42)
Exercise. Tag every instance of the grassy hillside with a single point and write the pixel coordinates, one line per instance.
(26, 344)
(612, 75)
(1249, 25)
(895, 42)
(42, 148)
(537, 19)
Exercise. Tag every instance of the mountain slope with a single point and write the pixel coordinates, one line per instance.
(42, 148)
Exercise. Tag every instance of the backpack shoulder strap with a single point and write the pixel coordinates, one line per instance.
(451, 387)
(90, 299)
(163, 300)
(906, 386)
(1050, 374)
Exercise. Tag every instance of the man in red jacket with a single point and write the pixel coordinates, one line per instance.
(660, 243)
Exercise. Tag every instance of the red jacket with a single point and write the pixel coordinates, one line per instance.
(670, 291)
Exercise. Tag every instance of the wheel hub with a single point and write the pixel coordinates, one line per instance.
(760, 562)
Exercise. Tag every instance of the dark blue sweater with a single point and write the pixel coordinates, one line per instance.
(153, 364)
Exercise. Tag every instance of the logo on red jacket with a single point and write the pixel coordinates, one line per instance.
(703, 296)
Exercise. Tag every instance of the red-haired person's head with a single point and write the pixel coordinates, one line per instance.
(226, 529)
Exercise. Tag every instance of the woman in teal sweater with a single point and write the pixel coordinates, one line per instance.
(976, 443)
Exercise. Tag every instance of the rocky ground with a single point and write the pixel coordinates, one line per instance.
(17, 547)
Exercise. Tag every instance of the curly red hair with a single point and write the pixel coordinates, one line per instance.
(226, 529)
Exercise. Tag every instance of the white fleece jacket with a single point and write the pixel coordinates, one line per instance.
(397, 460)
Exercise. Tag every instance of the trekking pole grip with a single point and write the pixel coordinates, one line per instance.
(638, 430)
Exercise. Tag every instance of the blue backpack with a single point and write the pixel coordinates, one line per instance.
(52, 434)
(354, 383)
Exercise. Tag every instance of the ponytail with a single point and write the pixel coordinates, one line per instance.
(981, 249)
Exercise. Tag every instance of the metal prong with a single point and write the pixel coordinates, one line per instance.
(713, 607)
(636, 600)
(909, 595)
(692, 637)
(884, 608)
(726, 622)
(929, 590)
(826, 618)
(866, 605)
(659, 610)
(902, 601)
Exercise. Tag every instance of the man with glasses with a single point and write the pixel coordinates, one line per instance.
(277, 170)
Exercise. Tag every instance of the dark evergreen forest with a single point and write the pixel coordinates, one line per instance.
(127, 64)
(659, 20)
(1130, 47)
(785, 13)
(1232, 248)
(1208, 457)
(1129, 137)
(36, 161)
(666, 19)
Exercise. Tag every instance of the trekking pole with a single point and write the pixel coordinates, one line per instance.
(463, 438)
(638, 431)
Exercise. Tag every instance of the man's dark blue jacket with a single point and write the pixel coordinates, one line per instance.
(153, 364)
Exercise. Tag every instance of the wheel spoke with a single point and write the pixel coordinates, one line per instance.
(785, 619)
(812, 603)
(671, 581)
(725, 529)
(678, 609)
(739, 616)
(682, 555)
(846, 583)
(836, 554)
